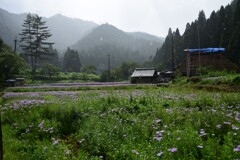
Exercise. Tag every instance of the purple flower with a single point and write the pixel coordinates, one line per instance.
(172, 150)
(157, 138)
(68, 151)
(227, 123)
(55, 141)
(237, 118)
(160, 154)
(235, 127)
(219, 126)
(202, 132)
(230, 107)
(237, 149)
(41, 124)
(159, 135)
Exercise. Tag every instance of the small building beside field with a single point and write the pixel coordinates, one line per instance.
(165, 76)
(144, 75)
(205, 58)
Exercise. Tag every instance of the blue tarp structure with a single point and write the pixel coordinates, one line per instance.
(205, 50)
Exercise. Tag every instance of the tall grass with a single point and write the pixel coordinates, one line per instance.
(155, 123)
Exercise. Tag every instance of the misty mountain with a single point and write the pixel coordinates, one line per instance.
(107, 40)
(146, 36)
(93, 42)
(10, 26)
(110, 35)
(65, 31)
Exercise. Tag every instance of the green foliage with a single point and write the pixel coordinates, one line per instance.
(221, 29)
(71, 61)
(125, 70)
(50, 70)
(10, 64)
(122, 72)
(107, 76)
(236, 80)
(123, 124)
(33, 39)
(52, 58)
(89, 69)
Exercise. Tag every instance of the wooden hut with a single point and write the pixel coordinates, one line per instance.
(144, 75)
(208, 58)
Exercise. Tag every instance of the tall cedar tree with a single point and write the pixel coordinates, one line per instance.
(71, 61)
(234, 47)
(221, 29)
(1, 142)
(33, 39)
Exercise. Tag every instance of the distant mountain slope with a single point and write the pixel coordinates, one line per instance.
(107, 40)
(66, 31)
(146, 36)
(10, 26)
(108, 34)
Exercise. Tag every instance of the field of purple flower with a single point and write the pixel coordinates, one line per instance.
(121, 123)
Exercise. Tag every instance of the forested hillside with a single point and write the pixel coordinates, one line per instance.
(221, 29)
(107, 40)
(67, 31)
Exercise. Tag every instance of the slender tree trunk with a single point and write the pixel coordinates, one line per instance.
(1, 142)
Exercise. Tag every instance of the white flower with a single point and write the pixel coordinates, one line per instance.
(160, 154)
(136, 152)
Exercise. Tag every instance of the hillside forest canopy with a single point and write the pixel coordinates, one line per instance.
(221, 29)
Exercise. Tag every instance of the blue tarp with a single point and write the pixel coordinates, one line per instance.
(205, 50)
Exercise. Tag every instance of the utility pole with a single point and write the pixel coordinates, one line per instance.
(199, 56)
(172, 57)
(108, 67)
(15, 45)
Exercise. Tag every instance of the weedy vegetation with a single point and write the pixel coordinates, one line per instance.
(121, 123)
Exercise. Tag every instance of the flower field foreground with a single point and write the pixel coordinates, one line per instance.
(154, 123)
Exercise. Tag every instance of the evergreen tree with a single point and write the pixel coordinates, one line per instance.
(71, 61)
(163, 59)
(211, 30)
(178, 47)
(201, 30)
(27, 38)
(33, 37)
(187, 36)
(194, 39)
(234, 46)
(51, 58)
(221, 29)
(227, 31)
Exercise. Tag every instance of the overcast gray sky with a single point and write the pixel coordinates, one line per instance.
(151, 16)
